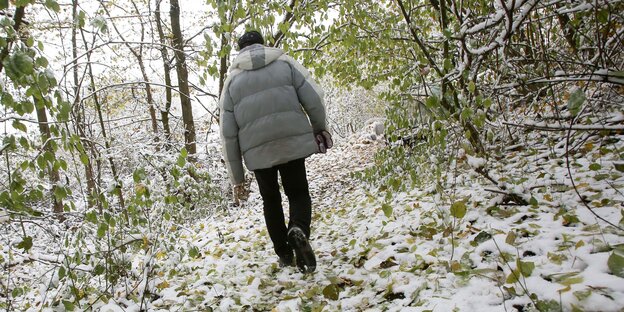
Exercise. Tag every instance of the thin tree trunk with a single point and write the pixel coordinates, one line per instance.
(164, 114)
(98, 109)
(18, 18)
(138, 54)
(473, 133)
(181, 70)
(77, 110)
(44, 128)
(223, 66)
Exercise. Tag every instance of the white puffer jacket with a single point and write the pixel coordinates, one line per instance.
(270, 110)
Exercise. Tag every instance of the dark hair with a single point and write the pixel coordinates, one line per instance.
(249, 38)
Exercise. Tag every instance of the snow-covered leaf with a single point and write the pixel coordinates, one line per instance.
(576, 101)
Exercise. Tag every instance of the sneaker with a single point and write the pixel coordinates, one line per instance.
(287, 260)
(306, 261)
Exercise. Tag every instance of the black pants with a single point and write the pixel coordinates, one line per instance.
(295, 186)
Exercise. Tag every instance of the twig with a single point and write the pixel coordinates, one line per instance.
(570, 128)
(571, 177)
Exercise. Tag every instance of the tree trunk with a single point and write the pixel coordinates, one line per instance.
(77, 111)
(18, 17)
(185, 100)
(164, 114)
(223, 66)
(98, 108)
(138, 55)
(44, 128)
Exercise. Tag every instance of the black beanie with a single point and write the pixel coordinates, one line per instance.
(249, 38)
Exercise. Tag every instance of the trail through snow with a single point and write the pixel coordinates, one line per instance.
(372, 260)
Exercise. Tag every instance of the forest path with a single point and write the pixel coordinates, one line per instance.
(386, 249)
(237, 268)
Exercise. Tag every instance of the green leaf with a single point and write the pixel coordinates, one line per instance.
(84, 159)
(432, 101)
(511, 238)
(595, 167)
(458, 209)
(102, 228)
(575, 102)
(619, 166)
(69, 306)
(572, 280)
(471, 87)
(19, 291)
(61, 272)
(19, 126)
(181, 161)
(331, 292)
(98, 270)
(283, 27)
(582, 294)
(533, 201)
(616, 263)
(100, 23)
(60, 192)
(24, 143)
(21, 3)
(387, 210)
(4, 4)
(53, 5)
(42, 62)
(482, 237)
(603, 16)
(512, 277)
(548, 306)
(194, 252)
(81, 19)
(526, 268)
(138, 175)
(91, 217)
(26, 243)
(20, 64)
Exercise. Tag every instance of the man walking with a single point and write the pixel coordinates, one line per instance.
(273, 117)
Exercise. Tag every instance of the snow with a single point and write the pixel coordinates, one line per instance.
(475, 162)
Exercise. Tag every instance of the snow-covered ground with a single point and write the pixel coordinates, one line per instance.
(403, 251)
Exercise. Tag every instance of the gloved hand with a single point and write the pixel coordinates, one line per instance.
(241, 193)
(324, 141)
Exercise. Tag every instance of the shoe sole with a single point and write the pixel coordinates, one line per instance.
(306, 261)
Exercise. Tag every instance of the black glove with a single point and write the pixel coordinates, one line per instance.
(324, 141)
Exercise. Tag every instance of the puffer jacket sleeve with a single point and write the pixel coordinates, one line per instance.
(310, 94)
(229, 138)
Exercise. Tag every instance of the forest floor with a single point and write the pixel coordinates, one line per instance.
(393, 251)
(384, 249)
